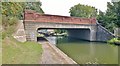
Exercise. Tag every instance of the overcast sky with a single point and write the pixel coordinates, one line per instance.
(61, 7)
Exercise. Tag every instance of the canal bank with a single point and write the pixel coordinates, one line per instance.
(52, 55)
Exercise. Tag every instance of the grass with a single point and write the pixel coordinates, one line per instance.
(15, 52)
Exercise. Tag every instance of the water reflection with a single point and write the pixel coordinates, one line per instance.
(85, 52)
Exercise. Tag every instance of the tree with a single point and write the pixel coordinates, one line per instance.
(12, 9)
(80, 10)
(34, 6)
(111, 18)
(16, 9)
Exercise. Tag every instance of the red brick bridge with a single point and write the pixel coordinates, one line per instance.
(82, 28)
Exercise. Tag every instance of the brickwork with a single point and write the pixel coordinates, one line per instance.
(37, 17)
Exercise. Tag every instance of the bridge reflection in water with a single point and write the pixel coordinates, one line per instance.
(85, 52)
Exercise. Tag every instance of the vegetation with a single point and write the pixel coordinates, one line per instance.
(111, 18)
(16, 9)
(114, 41)
(80, 10)
(8, 26)
(13, 9)
(36, 6)
(15, 52)
(60, 31)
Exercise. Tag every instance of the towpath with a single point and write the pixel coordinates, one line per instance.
(52, 55)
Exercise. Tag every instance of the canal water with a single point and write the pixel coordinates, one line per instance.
(85, 52)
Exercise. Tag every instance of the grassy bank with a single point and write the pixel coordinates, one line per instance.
(15, 52)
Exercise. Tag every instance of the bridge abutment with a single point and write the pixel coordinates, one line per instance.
(31, 33)
(93, 33)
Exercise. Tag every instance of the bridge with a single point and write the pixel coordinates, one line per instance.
(81, 28)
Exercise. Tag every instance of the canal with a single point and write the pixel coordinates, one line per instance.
(85, 52)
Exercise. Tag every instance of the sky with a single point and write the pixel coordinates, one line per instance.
(61, 7)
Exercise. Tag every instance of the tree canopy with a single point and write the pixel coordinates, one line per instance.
(111, 18)
(12, 9)
(34, 6)
(15, 9)
(80, 10)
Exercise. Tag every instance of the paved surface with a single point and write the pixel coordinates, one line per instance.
(49, 57)
(52, 55)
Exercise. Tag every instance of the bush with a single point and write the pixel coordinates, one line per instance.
(13, 21)
(3, 35)
(5, 22)
(9, 21)
(8, 24)
(8, 32)
(114, 40)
